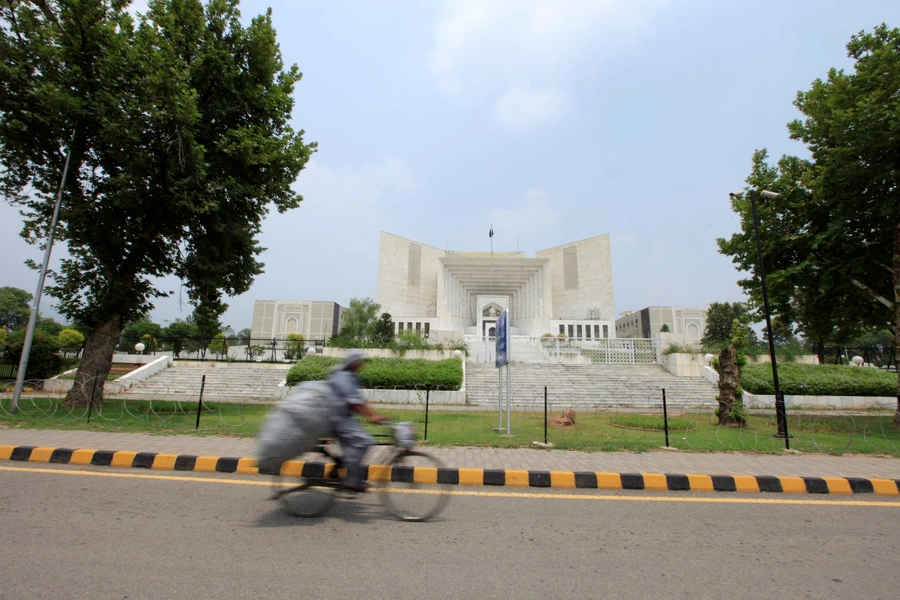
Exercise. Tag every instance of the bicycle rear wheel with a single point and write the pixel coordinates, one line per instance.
(308, 493)
(413, 493)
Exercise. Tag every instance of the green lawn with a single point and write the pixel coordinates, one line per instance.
(593, 431)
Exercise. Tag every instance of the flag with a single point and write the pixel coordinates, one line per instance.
(491, 233)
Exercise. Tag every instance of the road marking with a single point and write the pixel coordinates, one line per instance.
(478, 494)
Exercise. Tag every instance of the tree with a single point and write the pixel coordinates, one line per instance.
(664, 328)
(50, 326)
(15, 307)
(178, 128)
(383, 332)
(182, 336)
(359, 320)
(720, 319)
(852, 129)
(822, 304)
(218, 345)
(782, 333)
(70, 339)
(847, 220)
(137, 332)
(731, 359)
(243, 337)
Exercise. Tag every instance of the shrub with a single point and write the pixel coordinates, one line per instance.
(676, 349)
(460, 345)
(819, 380)
(219, 345)
(410, 339)
(150, 343)
(293, 347)
(43, 361)
(69, 338)
(393, 373)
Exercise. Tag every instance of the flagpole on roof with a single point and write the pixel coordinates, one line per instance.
(491, 235)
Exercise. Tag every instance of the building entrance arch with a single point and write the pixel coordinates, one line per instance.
(488, 328)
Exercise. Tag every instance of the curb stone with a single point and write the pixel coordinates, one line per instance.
(467, 477)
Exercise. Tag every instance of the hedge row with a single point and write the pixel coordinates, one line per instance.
(819, 380)
(393, 373)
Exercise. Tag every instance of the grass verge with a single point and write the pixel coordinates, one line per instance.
(593, 432)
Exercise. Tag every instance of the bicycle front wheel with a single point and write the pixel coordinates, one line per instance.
(413, 493)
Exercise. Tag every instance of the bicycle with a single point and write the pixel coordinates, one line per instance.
(408, 485)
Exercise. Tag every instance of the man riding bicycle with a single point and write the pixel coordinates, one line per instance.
(347, 400)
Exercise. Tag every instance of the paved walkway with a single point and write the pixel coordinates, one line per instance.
(660, 461)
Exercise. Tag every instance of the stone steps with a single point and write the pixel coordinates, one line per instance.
(626, 386)
(588, 385)
(224, 382)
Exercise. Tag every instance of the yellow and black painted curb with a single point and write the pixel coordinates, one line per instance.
(465, 477)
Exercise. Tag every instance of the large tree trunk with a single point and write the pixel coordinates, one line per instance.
(820, 351)
(95, 363)
(729, 380)
(896, 266)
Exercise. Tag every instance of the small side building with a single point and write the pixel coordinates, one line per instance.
(314, 320)
(687, 322)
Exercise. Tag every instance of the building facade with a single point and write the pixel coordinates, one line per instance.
(276, 319)
(689, 322)
(446, 295)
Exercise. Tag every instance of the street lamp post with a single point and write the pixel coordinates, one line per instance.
(780, 412)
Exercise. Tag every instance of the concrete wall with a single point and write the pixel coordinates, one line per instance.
(805, 359)
(152, 365)
(407, 276)
(403, 397)
(821, 402)
(682, 365)
(588, 285)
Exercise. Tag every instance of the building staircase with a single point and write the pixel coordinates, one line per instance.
(595, 386)
(225, 382)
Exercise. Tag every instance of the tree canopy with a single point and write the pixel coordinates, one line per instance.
(831, 245)
(360, 319)
(180, 138)
(720, 320)
(15, 307)
(383, 331)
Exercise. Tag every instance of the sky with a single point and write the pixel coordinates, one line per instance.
(552, 120)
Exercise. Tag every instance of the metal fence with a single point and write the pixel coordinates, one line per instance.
(234, 349)
(610, 351)
(631, 422)
(64, 359)
(879, 356)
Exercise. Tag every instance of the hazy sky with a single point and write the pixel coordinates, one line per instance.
(555, 120)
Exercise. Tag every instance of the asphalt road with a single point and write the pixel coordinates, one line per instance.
(78, 532)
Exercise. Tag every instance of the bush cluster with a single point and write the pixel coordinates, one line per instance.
(819, 380)
(402, 342)
(43, 360)
(393, 373)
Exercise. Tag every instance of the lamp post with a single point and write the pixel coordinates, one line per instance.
(780, 412)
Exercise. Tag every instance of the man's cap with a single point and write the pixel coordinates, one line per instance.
(353, 358)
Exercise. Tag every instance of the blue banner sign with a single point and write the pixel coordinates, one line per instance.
(502, 339)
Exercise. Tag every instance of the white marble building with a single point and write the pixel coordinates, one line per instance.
(563, 290)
